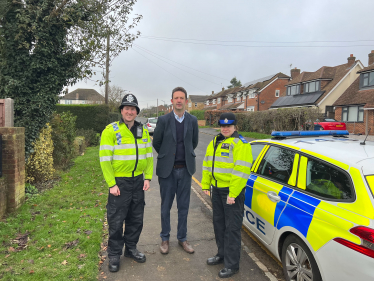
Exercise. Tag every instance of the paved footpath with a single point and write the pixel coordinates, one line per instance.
(178, 265)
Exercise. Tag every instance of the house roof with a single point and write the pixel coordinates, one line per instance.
(262, 84)
(84, 94)
(231, 105)
(370, 67)
(195, 98)
(210, 107)
(353, 95)
(258, 80)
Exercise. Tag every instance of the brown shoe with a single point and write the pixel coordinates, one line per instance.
(164, 247)
(186, 246)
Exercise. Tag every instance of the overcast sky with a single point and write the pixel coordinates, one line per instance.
(209, 65)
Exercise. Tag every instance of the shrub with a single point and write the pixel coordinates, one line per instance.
(91, 138)
(284, 119)
(39, 166)
(63, 135)
(198, 113)
(79, 145)
(113, 117)
(94, 117)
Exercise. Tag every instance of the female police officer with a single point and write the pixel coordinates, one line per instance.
(226, 168)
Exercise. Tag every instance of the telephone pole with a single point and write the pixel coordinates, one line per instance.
(157, 108)
(107, 70)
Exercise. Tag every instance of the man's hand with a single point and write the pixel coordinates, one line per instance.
(146, 185)
(207, 192)
(230, 200)
(115, 191)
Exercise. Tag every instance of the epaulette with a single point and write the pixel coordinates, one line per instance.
(242, 139)
(110, 125)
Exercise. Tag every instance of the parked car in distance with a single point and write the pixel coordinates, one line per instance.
(151, 124)
(329, 124)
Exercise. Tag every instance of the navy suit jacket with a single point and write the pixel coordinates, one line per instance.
(165, 143)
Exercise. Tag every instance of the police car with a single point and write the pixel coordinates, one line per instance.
(309, 199)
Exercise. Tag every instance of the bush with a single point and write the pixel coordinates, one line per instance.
(113, 117)
(91, 138)
(79, 145)
(63, 135)
(39, 166)
(284, 119)
(198, 113)
(94, 117)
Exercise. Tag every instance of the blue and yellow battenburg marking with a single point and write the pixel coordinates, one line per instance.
(118, 134)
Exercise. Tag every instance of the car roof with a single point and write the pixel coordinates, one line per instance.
(345, 150)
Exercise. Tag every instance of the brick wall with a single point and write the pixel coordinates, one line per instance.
(268, 94)
(14, 166)
(3, 197)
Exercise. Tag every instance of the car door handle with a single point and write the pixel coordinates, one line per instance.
(273, 196)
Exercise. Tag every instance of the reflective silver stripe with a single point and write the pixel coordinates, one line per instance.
(240, 174)
(236, 140)
(230, 159)
(125, 146)
(107, 147)
(148, 144)
(144, 145)
(208, 158)
(243, 163)
(209, 169)
(124, 157)
(223, 170)
(106, 158)
(150, 155)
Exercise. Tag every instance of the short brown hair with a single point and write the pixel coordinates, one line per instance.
(179, 89)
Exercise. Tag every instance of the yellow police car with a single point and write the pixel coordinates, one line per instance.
(309, 199)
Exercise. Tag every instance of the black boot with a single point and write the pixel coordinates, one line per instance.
(113, 264)
(135, 255)
(227, 272)
(214, 260)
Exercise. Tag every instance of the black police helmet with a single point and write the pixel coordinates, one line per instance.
(227, 119)
(130, 100)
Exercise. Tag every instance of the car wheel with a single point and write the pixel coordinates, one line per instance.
(298, 261)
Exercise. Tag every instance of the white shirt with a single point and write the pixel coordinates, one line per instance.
(179, 119)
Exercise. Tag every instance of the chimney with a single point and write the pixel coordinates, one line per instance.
(294, 72)
(351, 60)
(77, 96)
(223, 88)
(371, 57)
(212, 92)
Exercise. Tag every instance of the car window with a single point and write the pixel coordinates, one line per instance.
(330, 120)
(256, 150)
(327, 181)
(152, 121)
(277, 164)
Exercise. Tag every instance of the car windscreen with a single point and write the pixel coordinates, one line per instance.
(152, 121)
(330, 120)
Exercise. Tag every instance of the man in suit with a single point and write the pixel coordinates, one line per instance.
(175, 138)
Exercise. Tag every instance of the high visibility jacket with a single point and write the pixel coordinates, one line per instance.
(121, 155)
(227, 164)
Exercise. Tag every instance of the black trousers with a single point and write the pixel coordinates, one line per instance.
(227, 222)
(128, 208)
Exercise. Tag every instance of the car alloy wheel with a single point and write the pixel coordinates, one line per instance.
(298, 261)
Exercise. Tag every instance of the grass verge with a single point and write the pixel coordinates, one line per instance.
(56, 235)
(254, 135)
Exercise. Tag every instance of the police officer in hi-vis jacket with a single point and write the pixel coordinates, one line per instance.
(226, 168)
(127, 163)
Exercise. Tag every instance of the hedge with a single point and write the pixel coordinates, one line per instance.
(199, 114)
(285, 119)
(94, 117)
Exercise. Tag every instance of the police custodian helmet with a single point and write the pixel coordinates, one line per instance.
(130, 100)
(227, 118)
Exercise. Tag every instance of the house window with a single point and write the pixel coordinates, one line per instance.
(277, 93)
(218, 100)
(229, 99)
(353, 114)
(251, 95)
(68, 101)
(83, 102)
(195, 104)
(367, 79)
(189, 104)
(312, 87)
(293, 90)
(214, 101)
(207, 102)
(250, 108)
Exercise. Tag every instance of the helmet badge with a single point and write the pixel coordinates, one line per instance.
(130, 98)
(226, 121)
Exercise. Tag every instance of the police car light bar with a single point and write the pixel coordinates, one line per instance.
(284, 134)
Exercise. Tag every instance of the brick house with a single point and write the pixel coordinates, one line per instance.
(224, 100)
(196, 102)
(320, 88)
(260, 94)
(83, 96)
(356, 105)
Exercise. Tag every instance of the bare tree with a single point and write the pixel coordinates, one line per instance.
(115, 95)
